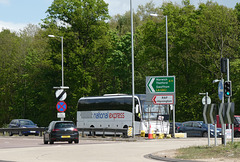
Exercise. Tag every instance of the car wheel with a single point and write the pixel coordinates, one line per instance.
(10, 134)
(44, 140)
(70, 141)
(205, 134)
(76, 141)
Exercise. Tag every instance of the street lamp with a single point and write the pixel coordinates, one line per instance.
(133, 88)
(156, 15)
(52, 36)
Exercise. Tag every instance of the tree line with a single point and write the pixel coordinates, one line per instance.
(97, 56)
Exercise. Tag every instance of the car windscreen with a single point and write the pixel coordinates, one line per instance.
(64, 125)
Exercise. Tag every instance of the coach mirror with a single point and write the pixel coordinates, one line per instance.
(136, 109)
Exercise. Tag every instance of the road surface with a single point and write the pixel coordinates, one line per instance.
(27, 149)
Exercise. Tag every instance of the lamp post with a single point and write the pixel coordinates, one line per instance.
(52, 36)
(133, 91)
(156, 15)
(173, 106)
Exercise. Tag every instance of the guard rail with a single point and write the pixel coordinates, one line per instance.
(40, 129)
(92, 130)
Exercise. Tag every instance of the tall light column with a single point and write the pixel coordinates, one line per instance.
(173, 106)
(133, 99)
(155, 15)
(62, 55)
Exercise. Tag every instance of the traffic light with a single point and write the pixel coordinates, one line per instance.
(227, 89)
(223, 64)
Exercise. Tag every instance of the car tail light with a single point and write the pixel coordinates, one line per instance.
(75, 129)
(55, 130)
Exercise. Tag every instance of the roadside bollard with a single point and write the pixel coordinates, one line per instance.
(142, 133)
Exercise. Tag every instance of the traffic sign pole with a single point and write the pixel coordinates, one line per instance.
(204, 114)
(161, 90)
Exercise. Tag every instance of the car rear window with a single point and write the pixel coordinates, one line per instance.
(64, 125)
(26, 122)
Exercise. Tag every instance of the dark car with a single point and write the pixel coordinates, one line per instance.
(61, 131)
(23, 123)
(197, 129)
(193, 129)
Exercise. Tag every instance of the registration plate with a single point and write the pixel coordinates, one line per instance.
(65, 136)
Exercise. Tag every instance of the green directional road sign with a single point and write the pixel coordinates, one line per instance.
(161, 84)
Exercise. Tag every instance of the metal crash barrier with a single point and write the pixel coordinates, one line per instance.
(40, 129)
(124, 131)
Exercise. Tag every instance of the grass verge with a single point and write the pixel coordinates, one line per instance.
(231, 150)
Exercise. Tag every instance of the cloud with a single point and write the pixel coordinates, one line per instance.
(14, 27)
(5, 2)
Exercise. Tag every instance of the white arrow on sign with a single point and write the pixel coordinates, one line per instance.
(211, 114)
(150, 85)
(61, 95)
(220, 113)
(163, 99)
(228, 113)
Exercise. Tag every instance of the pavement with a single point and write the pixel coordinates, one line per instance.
(102, 150)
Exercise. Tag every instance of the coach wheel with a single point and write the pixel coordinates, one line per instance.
(10, 134)
(92, 133)
(124, 133)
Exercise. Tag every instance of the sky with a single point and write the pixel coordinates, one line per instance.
(17, 14)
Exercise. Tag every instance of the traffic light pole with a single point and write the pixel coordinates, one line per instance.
(229, 99)
(223, 125)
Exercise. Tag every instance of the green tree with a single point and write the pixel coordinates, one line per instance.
(82, 24)
(9, 67)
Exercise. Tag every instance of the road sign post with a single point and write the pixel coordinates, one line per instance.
(160, 90)
(206, 100)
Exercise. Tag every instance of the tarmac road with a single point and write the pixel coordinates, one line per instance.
(25, 149)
